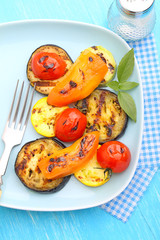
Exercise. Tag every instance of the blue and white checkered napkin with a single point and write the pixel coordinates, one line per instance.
(149, 160)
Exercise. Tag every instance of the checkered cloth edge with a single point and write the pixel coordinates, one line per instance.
(123, 205)
(147, 57)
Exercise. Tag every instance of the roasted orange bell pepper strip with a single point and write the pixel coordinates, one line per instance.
(71, 159)
(79, 82)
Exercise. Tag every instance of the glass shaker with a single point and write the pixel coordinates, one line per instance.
(132, 19)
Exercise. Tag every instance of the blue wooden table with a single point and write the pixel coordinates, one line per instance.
(91, 223)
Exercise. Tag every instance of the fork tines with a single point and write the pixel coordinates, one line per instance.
(14, 121)
(13, 134)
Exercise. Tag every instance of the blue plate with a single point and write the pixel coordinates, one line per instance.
(18, 40)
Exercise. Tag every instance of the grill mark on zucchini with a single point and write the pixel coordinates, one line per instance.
(94, 47)
(111, 68)
(103, 81)
(102, 57)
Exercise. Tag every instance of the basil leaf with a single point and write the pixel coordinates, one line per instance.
(128, 105)
(114, 85)
(127, 85)
(125, 67)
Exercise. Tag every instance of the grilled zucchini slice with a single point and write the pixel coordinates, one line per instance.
(45, 86)
(104, 114)
(93, 175)
(108, 58)
(43, 117)
(26, 165)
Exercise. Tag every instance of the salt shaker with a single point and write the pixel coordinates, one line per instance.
(132, 19)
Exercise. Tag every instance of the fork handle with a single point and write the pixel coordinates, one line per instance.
(4, 159)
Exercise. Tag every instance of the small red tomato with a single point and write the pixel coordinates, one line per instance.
(114, 155)
(70, 125)
(48, 66)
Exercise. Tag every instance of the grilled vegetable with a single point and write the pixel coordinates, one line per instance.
(28, 171)
(81, 79)
(43, 117)
(46, 66)
(108, 58)
(93, 174)
(104, 114)
(71, 159)
(70, 125)
(114, 155)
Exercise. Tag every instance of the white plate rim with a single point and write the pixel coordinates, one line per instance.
(54, 21)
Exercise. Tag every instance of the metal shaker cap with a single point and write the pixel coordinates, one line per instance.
(135, 7)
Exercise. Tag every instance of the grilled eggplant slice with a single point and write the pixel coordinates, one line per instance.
(45, 86)
(104, 114)
(108, 58)
(27, 170)
(43, 117)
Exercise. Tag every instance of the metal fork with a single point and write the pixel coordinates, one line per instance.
(14, 130)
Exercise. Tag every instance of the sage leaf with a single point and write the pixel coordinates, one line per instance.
(127, 85)
(128, 105)
(125, 67)
(114, 85)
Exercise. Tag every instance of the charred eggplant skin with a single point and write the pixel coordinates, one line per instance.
(54, 190)
(26, 166)
(45, 86)
(104, 114)
(60, 186)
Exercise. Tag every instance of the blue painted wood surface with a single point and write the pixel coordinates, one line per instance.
(91, 223)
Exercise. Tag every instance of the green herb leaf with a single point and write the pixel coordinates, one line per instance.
(125, 67)
(128, 105)
(114, 85)
(127, 85)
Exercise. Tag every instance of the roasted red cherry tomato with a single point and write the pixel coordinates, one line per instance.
(48, 66)
(114, 155)
(70, 125)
